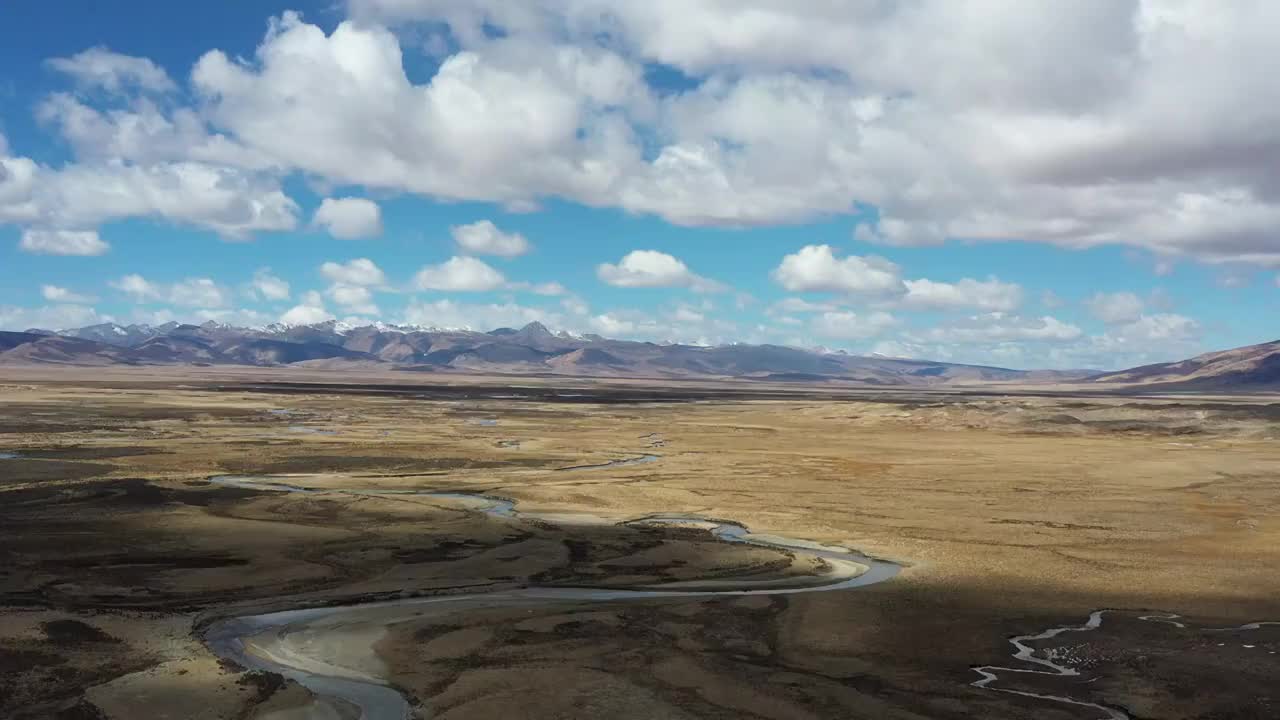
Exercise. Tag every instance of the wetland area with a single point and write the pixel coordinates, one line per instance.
(237, 547)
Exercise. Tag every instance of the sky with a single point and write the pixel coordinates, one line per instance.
(1029, 184)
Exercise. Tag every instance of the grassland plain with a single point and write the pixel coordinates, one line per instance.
(1012, 512)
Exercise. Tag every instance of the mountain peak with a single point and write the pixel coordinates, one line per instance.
(535, 329)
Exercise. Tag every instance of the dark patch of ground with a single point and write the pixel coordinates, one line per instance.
(85, 452)
(29, 470)
(74, 632)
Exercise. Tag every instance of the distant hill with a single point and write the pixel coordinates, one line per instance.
(1254, 367)
(531, 350)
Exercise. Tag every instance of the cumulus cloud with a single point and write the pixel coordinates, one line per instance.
(48, 317)
(816, 268)
(349, 218)
(998, 326)
(190, 292)
(1126, 123)
(136, 286)
(990, 294)
(359, 272)
(228, 201)
(549, 289)
(847, 325)
(240, 317)
(460, 274)
(911, 108)
(309, 311)
(269, 286)
(484, 238)
(101, 68)
(62, 242)
(353, 299)
(1158, 327)
(140, 131)
(1115, 308)
(478, 316)
(800, 305)
(198, 292)
(682, 323)
(510, 124)
(653, 269)
(54, 293)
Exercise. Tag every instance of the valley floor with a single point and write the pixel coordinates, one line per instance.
(1011, 513)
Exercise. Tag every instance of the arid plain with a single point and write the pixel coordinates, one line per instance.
(1010, 512)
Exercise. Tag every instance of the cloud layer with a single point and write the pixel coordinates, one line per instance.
(1126, 122)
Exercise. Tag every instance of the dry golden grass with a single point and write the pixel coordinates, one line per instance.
(1012, 514)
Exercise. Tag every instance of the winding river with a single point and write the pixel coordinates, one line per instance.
(302, 644)
(1047, 665)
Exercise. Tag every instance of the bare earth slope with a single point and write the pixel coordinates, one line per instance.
(1246, 368)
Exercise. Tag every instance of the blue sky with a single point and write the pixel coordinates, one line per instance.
(639, 172)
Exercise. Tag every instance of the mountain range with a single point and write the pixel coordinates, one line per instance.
(535, 350)
(531, 350)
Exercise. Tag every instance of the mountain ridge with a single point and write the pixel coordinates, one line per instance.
(532, 349)
(1248, 367)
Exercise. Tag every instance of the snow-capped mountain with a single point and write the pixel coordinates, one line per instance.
(532, 349)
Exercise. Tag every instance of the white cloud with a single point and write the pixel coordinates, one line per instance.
(136, 286)
(998, 326)
(48, 317)
(1158, 327)
(816, 268)
(54, 293)
(228, 201)
(575, 306)
(308, 312)
(800, 305)
(548, 289)
(847, 325)
(680, 324)
(191, 292)
(1126, 122)
(269, 286)
(198, 292)
(460, 274)
(360, 271)
(484, 238)
(349, 218)
(483, 317)
(240, 317)
(510, 124)
(652, 269)
(353, 299)
(144, 133)
(1115, 308)
(990, 294)
(612, 326)
(62, 242)
(113, 72)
